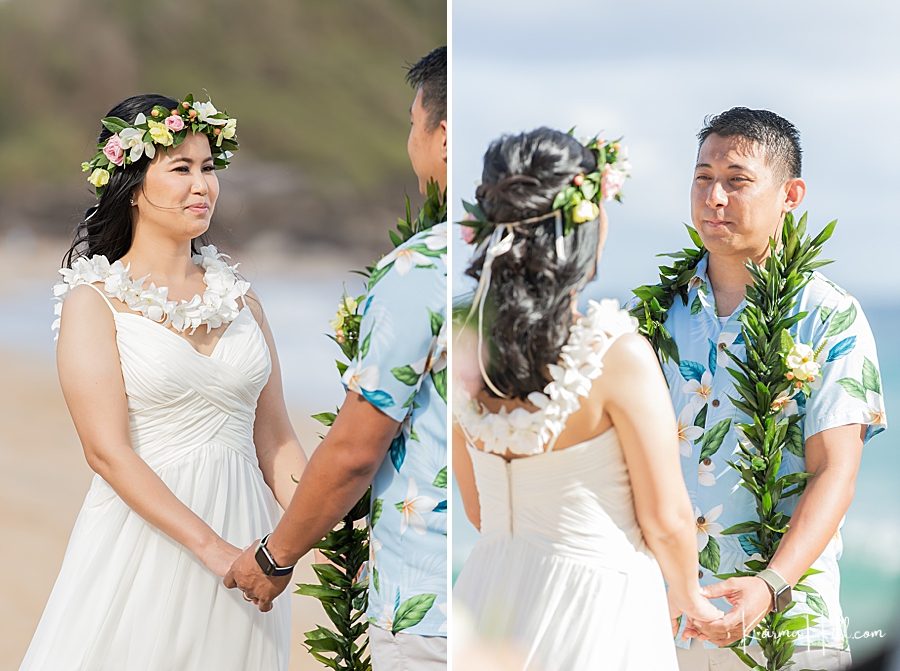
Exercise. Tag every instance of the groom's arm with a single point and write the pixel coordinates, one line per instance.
(338, 473)
(832, 456)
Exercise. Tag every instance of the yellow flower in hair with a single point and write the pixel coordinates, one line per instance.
(99, 177)
(586, 210)
(160, 133)
(228, 131)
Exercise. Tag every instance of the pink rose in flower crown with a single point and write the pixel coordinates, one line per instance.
(174, 123)
(611, 181)
(468, 232)
(113, 150)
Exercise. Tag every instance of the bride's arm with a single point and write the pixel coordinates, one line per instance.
(281, 458)
(636, 397)
(465, 477)
(91, 379)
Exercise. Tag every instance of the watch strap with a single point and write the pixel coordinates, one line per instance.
(781, 590)
(267, 562)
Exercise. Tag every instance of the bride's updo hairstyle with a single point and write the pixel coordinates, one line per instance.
(528, 310)
(108, 227)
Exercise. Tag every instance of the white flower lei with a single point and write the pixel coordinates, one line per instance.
(217, 306)
(524, 432)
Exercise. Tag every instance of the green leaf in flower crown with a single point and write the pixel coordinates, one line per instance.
(406, 375)
(412, 611)
(871, 380)
(711, 555)
(712, 439)
(114, 124)
(854, 388)
(440, 480)
(841, 321)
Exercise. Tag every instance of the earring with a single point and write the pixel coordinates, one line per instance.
(132, 201)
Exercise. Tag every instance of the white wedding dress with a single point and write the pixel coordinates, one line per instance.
(128, 597)
(561, 573)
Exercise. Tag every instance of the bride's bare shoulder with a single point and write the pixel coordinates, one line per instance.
(630, 356)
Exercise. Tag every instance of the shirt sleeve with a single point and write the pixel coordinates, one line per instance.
(849, 390)
(402, 317)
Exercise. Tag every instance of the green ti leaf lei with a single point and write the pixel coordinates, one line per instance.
(342, 589)
(761, 382)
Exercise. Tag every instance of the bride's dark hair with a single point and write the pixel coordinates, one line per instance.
(108, 226)
(528, 310)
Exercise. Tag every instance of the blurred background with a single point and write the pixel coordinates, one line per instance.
(323, 115)
(651, 71)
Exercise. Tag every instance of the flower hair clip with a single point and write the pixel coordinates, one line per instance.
(575, 204)
(166, 128)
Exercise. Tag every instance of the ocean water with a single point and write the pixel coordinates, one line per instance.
(870, 565)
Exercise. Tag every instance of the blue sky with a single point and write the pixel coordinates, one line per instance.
(651, 71)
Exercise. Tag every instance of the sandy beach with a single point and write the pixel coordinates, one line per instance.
(44, 476)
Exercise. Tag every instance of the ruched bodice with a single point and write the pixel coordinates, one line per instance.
(575, 502)
(130, 597)
(179, 399)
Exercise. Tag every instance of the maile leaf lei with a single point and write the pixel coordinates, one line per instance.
(342, 588)
(760, 382)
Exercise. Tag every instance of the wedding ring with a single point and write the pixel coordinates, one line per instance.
(246, 597)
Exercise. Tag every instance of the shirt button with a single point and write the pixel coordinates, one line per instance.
(700, 574)
(721, 347)
(716, 403)
(707, 461)
(701, 520)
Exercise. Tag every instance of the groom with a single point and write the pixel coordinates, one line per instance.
(747, 177)
(391, 432)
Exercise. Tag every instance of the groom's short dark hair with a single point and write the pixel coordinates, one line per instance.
(778, 137)
(430, 73)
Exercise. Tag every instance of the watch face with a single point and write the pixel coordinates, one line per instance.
(783, 599)
(263, 560)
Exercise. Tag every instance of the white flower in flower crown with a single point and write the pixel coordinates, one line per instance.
(133, 139)
(412, 507)
(403, 259)
(437, 237)
(687, 432)
(205, 111)
(700, 389)
(586, 210)
(611, 180)
(707, 526)
(228, 131)
(358, 379)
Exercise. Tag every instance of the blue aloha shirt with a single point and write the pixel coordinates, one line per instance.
(848, 392)
(402, 370)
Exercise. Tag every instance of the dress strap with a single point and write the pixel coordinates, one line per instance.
(97, 289)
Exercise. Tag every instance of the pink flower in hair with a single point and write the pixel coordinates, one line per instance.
(611, 182)
(174, 123)
(114, 151)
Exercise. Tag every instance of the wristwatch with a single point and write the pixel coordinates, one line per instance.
(781, 591)
(267, 563)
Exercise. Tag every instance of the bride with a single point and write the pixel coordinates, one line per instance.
(572, 476)
(170, 374)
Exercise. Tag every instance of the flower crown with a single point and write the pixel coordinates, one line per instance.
(167, 128)
(577, 203)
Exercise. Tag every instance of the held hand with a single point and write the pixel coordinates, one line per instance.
(257, 587)
(751, 600)
(219, 556)
(695, 608)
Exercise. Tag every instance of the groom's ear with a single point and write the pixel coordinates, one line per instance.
(794, 192)
(443, 130)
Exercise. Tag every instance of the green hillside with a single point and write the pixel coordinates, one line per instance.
(316, 85)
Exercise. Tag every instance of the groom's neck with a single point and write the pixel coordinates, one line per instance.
(728, 279)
